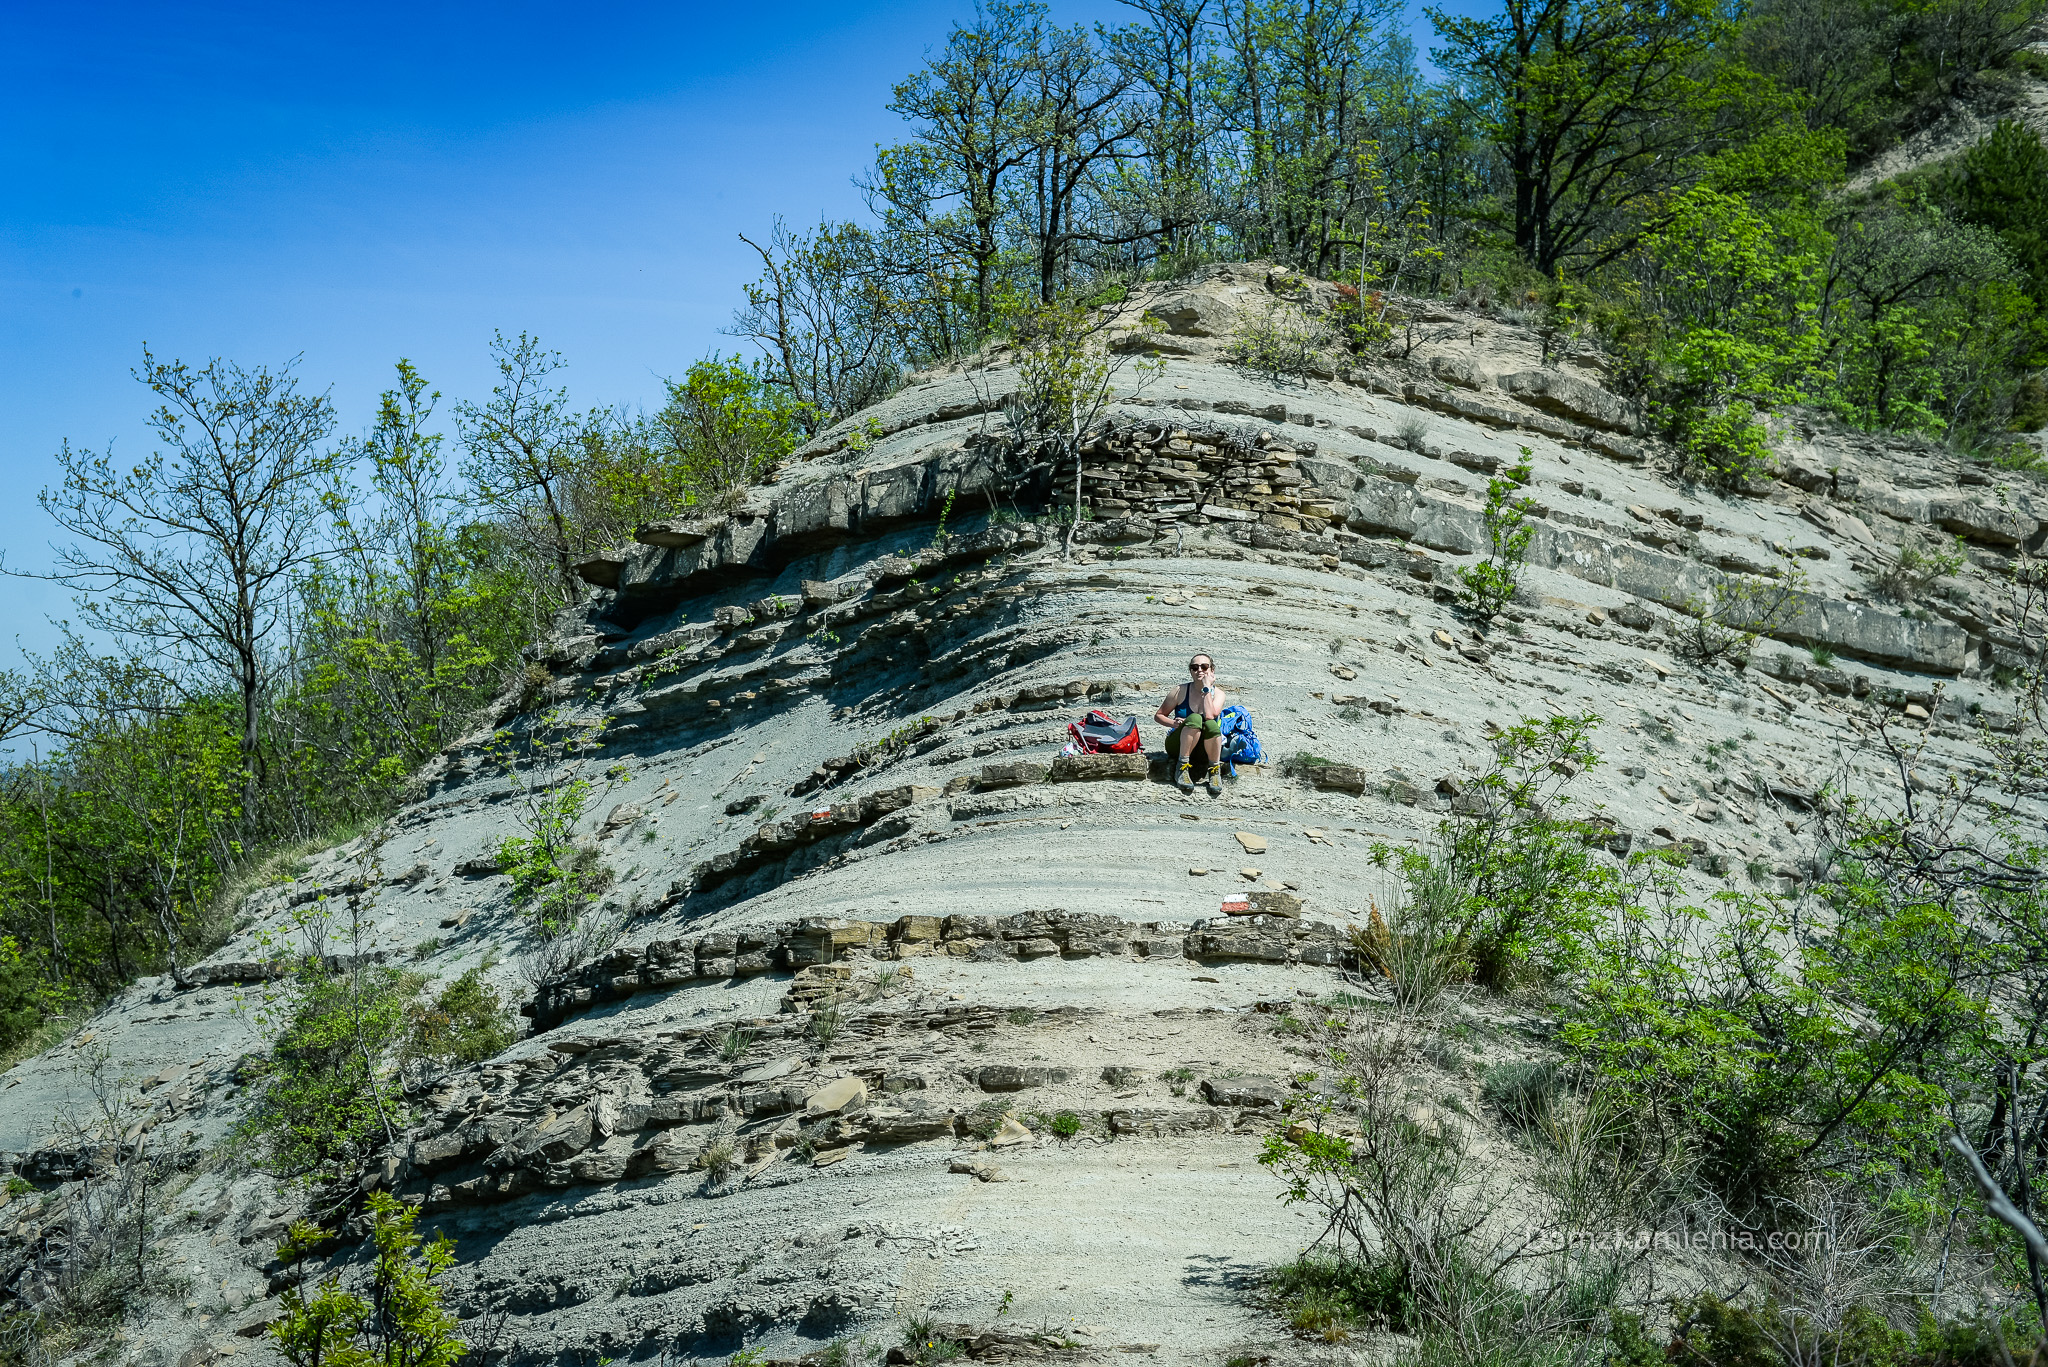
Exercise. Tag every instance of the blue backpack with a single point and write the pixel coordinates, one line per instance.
(1240, 742)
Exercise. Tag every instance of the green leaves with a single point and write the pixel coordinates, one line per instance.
(1512, 891)
(465, 1024)
(723, 427)
(396, 1320)
(1741, 288)
(2001, 183)
(1490, 585)
(1595, 107)
(330, 1094)
(1717, 1034)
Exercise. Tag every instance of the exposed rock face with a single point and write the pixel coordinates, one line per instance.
(875, 925)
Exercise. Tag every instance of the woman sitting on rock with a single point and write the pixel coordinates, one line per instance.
(1194, 711)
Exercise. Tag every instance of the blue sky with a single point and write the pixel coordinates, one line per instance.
(360, 182)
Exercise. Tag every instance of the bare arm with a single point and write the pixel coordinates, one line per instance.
(1164, 716)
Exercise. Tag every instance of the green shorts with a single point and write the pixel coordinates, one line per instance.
(1204, 726)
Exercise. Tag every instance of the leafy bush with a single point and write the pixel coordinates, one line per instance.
(327, 1098)
(397, 1317)
(1511, 888)
(1726, 446)
(725, 425)
(554, 873)
(1329, 1298)
(1740, 284)
(1282, 344)
(1728, 1044)
(2001, 183)
(1932, 326)
(1909, 572)
(1407, 1244)
(28, 1000)
(465, 1024)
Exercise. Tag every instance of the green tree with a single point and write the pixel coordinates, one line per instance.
(330, 1090)
(401, 638)
(465, 1024)
(1066, 379)
(970, 110)
(1911, 303)
(1870, 67)
(1596, 108)
(826, 318)
(1489, 586)
(1167, 56)
(1740, 289)
(329, 1099)
(2001, 183)
(723, 427)
(191, 552)
(1298, 88)
(1081, 124)
(524, 447)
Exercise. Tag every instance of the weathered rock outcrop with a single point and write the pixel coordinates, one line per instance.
(824, 1052)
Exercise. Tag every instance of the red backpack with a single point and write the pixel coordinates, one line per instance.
(1098, 733)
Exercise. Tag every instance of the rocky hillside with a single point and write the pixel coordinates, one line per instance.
(1058, 989)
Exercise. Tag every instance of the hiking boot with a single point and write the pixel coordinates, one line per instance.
(1214, 781)
(1184, 780)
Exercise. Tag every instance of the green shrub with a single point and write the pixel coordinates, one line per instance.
(554, 874)
(398, 1317)
(1522, 1092)
(2001, 183)
(719, 1160)
(1489, 586)
(1724, 622)
(327, 1097)
(1740, 284)
(465, 1024)
(1910, 572)
(1726, 446)
(925, 1345)
(827, 1019)
(1511, 890)
(1761, 1061)
(1328, 1297)
(1280, 344)
(1065, 1124)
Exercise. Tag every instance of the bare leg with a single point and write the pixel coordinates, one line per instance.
(1212, 746)
(1188, 738)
